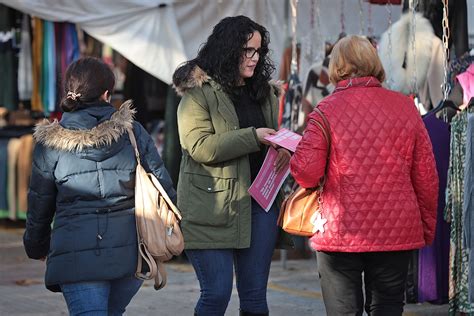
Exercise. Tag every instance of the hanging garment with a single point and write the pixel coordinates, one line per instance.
(25, 157)
(61, 64)
(25, 67)
(36, 99)
(285, 65)
(293, 101)
(458, 27)
(400, 62)
(317, 84)
(312, 52)
(8, 59)
(458, 256)
(468, 207)
(458, 66)
(14, 147)
(67, 51)
(48, 86)
(466, 79)
(433, 263)
(72, 43)
(3, 173)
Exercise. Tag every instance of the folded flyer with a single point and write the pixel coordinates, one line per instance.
(286, 139)
(266, 185)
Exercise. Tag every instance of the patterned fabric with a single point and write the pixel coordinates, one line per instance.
(382, 187)
(458, 257)
(469, 200)
(459, 65)
(293, 99)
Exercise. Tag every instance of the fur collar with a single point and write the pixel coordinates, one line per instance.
(191, 76)
(52, 134)
(187, 77)
(399, 78)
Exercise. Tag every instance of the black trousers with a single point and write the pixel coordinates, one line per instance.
(384, 278)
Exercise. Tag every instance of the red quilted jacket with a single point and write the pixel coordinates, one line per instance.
(382, 187)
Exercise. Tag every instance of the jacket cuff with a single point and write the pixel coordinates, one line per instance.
(36, 250)
(254, 130)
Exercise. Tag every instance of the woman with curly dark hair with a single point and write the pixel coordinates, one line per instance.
(227, 109)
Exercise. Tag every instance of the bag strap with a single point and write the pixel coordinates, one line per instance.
(155, 181)
(325, 128)
(173, 208)
(161, 274)
(133, 140)
(145, 255)
(157, 268)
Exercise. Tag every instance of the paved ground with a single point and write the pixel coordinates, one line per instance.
(293, 291)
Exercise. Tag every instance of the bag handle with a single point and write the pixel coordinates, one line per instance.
(157, 184)
(325, 128)
(133, 140)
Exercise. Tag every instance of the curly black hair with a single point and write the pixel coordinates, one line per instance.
(222, 54)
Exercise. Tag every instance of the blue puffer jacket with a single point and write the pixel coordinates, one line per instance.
(83, 178)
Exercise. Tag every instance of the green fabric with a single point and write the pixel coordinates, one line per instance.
(459, 256)
(8, 62)
(215, 173)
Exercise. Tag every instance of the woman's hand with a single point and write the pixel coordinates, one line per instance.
(264, 132)
(282, 159)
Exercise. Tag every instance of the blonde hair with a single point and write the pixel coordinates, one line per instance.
(354, 56)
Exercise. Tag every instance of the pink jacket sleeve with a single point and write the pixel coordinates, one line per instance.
(424, 178)
(309, 160)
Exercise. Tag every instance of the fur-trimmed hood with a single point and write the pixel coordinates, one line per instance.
(187, 77)
(191, 76)
(104, 134)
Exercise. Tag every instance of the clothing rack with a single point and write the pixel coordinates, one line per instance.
(16, 152)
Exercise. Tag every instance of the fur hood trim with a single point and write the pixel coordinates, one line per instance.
(52, 134)
(187, 77)
(277, 87)
(191, 76)
(399, 77)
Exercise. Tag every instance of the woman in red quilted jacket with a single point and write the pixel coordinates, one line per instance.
(380, 198)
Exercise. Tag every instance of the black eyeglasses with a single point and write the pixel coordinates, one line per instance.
(250, 51)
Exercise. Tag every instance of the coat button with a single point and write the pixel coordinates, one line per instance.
(235, 127)
(209, 189)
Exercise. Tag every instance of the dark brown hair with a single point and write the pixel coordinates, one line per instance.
(87, 78)
(222, 53)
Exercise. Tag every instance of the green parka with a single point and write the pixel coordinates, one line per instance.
(214, 174)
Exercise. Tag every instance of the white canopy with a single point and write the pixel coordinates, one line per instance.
(158, 35)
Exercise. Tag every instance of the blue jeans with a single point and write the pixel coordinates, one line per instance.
(252, 266)
(100, 298)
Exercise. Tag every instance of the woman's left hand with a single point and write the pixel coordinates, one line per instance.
(282, 159)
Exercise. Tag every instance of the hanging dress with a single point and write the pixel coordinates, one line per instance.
(458, 256)
(433, 260)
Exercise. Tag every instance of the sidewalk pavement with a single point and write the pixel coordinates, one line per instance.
(291, 291)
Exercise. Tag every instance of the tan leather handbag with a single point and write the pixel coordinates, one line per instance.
(157, 219)
(300, 212)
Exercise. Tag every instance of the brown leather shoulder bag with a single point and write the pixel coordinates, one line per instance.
(300, 212)
(157, 219)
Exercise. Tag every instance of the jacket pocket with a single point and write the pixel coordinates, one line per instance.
(209, 200)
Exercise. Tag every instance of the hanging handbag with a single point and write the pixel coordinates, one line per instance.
(300, 212)
(157, 220)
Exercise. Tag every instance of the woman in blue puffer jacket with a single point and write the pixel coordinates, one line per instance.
(83, 178)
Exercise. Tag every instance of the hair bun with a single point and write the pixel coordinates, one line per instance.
(70, 105)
